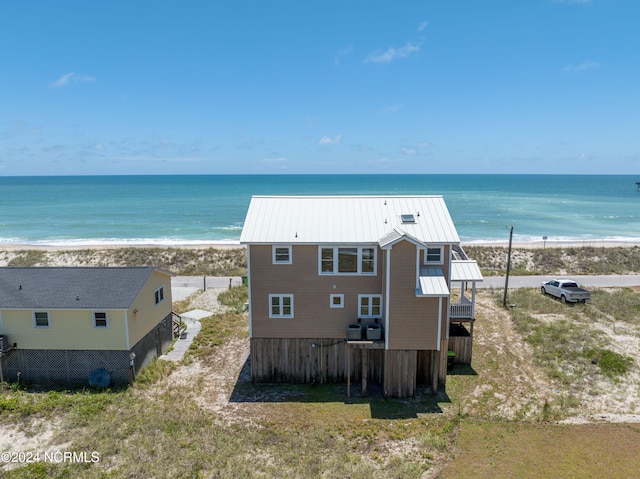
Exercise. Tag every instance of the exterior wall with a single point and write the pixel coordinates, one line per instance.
(400, 373)
(69, 329)
(281, 348)
(461, 343)
(72, 367)
(153, 344)
(412, 321)
(313, 316)
(63, 367)
(295, 360)
(148, 313)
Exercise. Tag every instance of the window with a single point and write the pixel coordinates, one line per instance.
(370, 305)
(336, 300)
(433, 255)
(281, 306)
(41, 319)
(100, 320)
(347, 260)
(368, 260)
(326, 260)
(159, 295)
(282, 255)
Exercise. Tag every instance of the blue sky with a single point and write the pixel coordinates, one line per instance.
(212, 87)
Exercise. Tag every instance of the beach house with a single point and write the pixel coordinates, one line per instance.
(356, 288)
(59, 325)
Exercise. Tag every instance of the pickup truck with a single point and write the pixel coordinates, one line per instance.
(566, 290)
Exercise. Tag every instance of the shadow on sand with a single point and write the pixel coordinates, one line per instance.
(424, 402)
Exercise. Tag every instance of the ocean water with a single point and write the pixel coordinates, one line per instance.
(209, 209)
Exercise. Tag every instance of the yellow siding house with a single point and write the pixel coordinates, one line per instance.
(61, 325)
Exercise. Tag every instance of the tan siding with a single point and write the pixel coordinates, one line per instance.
(313, 317)
(148, 313)
(70, 329)
(413, 321)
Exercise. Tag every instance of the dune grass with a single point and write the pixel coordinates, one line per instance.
(160, 428)
(233, 261)
(180, 261)
(557, 260)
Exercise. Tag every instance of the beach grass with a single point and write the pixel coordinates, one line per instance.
(492, 260)
(228, 261)
(167, 423)
(162, 427)
(232, 261)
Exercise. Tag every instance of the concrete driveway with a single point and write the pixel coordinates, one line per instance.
(184, 286)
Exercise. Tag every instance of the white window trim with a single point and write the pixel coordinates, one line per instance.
(106, 317)
(35, 324)
(336, 250)
(158, 292)
(332, 297)
(440, 261)
(281, 315)
(273, 254)
(370, 296)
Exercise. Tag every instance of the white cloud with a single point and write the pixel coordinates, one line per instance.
(422, 26)
(408, 151)
(330, 140)
(392, 53)
(72, 77)
(582, 67)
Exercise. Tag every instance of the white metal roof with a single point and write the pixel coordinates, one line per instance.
(432, 283)
(346, 219)
(465, 270)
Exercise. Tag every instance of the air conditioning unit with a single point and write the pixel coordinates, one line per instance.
(4, 343)
(374, 332)
(354, 332)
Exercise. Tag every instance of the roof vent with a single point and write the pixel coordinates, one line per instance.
(408, 219)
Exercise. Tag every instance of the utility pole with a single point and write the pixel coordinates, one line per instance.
(506, 279)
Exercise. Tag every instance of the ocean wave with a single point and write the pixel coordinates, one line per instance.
(228, 228)
(79, 243)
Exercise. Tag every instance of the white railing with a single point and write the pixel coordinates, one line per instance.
(461, 310)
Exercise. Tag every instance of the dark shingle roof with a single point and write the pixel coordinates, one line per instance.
(71, 288)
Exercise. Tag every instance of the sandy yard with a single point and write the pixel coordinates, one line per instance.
(508, 381)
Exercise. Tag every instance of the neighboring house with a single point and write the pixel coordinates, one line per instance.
(356, 287)
(58, 325)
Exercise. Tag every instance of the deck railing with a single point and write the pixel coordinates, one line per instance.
(463, 309)
(457, 311)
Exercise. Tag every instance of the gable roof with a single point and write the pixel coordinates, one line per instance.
(71, 288)
(346, 219)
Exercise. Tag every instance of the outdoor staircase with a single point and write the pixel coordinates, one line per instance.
(176, 321)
